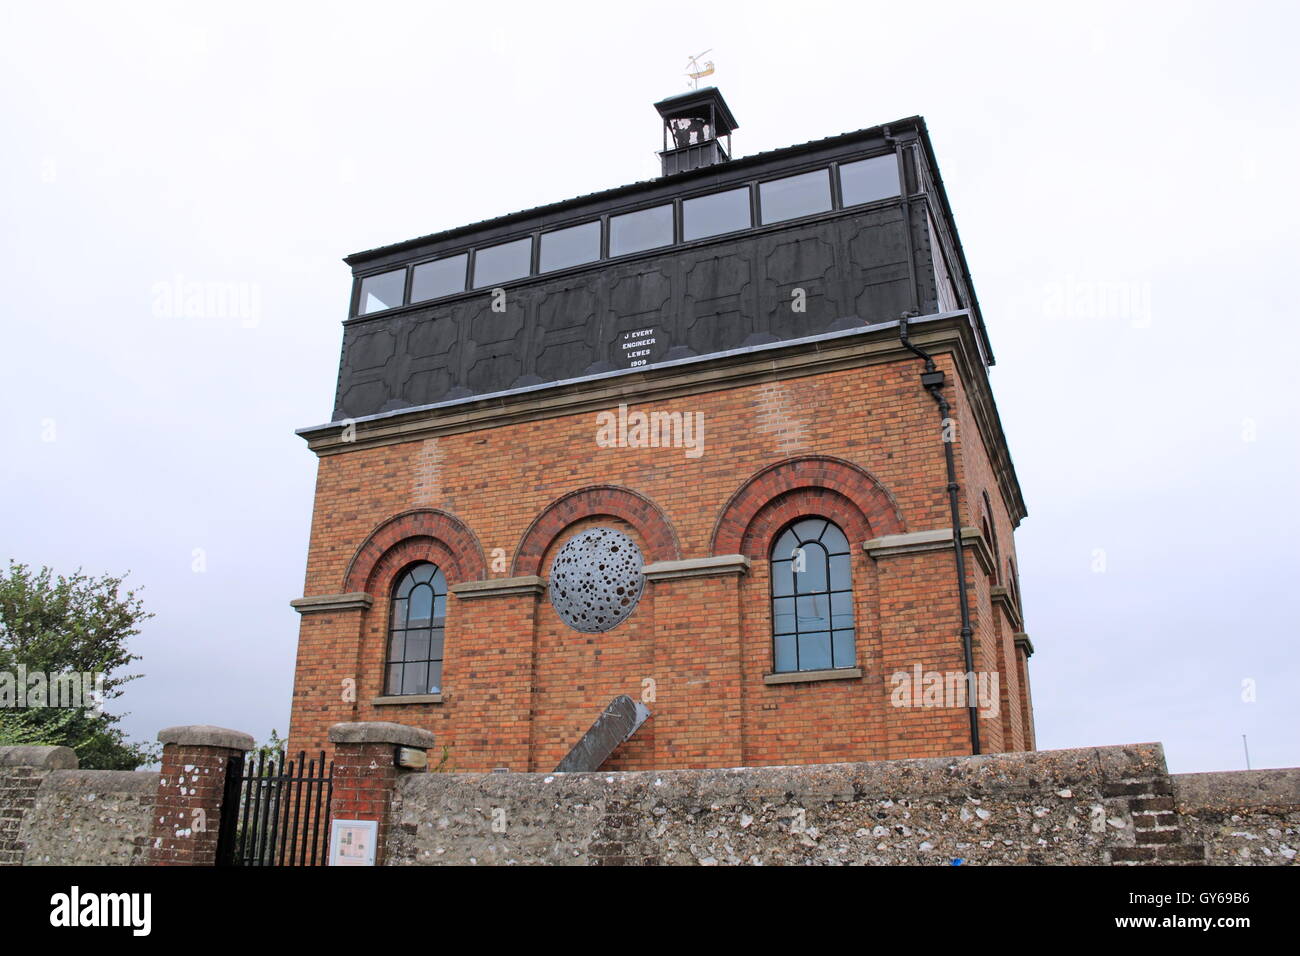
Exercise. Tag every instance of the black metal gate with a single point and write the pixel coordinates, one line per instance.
(282, 811)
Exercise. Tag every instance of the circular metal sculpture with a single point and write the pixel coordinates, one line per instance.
(596, 580)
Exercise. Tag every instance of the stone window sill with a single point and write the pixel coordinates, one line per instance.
(407, 699)
(803, 677)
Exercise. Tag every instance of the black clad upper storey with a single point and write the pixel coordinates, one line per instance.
(855, 228)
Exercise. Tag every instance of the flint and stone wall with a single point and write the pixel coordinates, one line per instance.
(90, 818)
(53, 813)
(1108, 805)
(1245, 818)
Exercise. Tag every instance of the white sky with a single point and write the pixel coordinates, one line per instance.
(1149, 149)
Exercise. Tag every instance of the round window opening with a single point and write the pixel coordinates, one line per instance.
(596, 580)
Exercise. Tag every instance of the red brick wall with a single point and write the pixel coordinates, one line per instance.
(983, 502)
(187, 811)
(520, 686)
(576, 674)
(364, 778)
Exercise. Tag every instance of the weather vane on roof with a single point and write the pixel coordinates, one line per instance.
(696, 72)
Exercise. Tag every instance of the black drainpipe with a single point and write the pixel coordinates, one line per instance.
(932, 381)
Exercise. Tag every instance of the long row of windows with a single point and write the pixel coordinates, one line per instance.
(714, 214)
(812, 611)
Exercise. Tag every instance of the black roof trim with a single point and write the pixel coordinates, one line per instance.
(743, 162)
(956, 238)
(705, 97)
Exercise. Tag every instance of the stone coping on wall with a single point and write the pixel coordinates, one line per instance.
(1237, 790)
(999, 772)
(139, 782)
(46, 758)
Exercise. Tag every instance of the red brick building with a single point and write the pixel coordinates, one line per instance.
(722, 372)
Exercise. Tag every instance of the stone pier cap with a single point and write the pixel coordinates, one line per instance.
(205, 735)
(381, 732)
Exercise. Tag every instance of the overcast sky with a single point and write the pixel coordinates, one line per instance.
(1123, 178)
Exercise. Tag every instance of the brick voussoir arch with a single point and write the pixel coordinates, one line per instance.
(789, 506)
(769, 495)
(461, 553)
(638, 511)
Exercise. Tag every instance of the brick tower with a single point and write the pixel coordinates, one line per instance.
(722, 441)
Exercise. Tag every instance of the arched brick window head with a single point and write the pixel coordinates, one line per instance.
(812, 598)
(415, 630)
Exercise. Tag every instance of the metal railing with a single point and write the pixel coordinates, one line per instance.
(282, 811)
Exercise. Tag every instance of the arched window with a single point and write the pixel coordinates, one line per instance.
(988, 538)
(990, 535)
(812, 598)
(415, 631)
